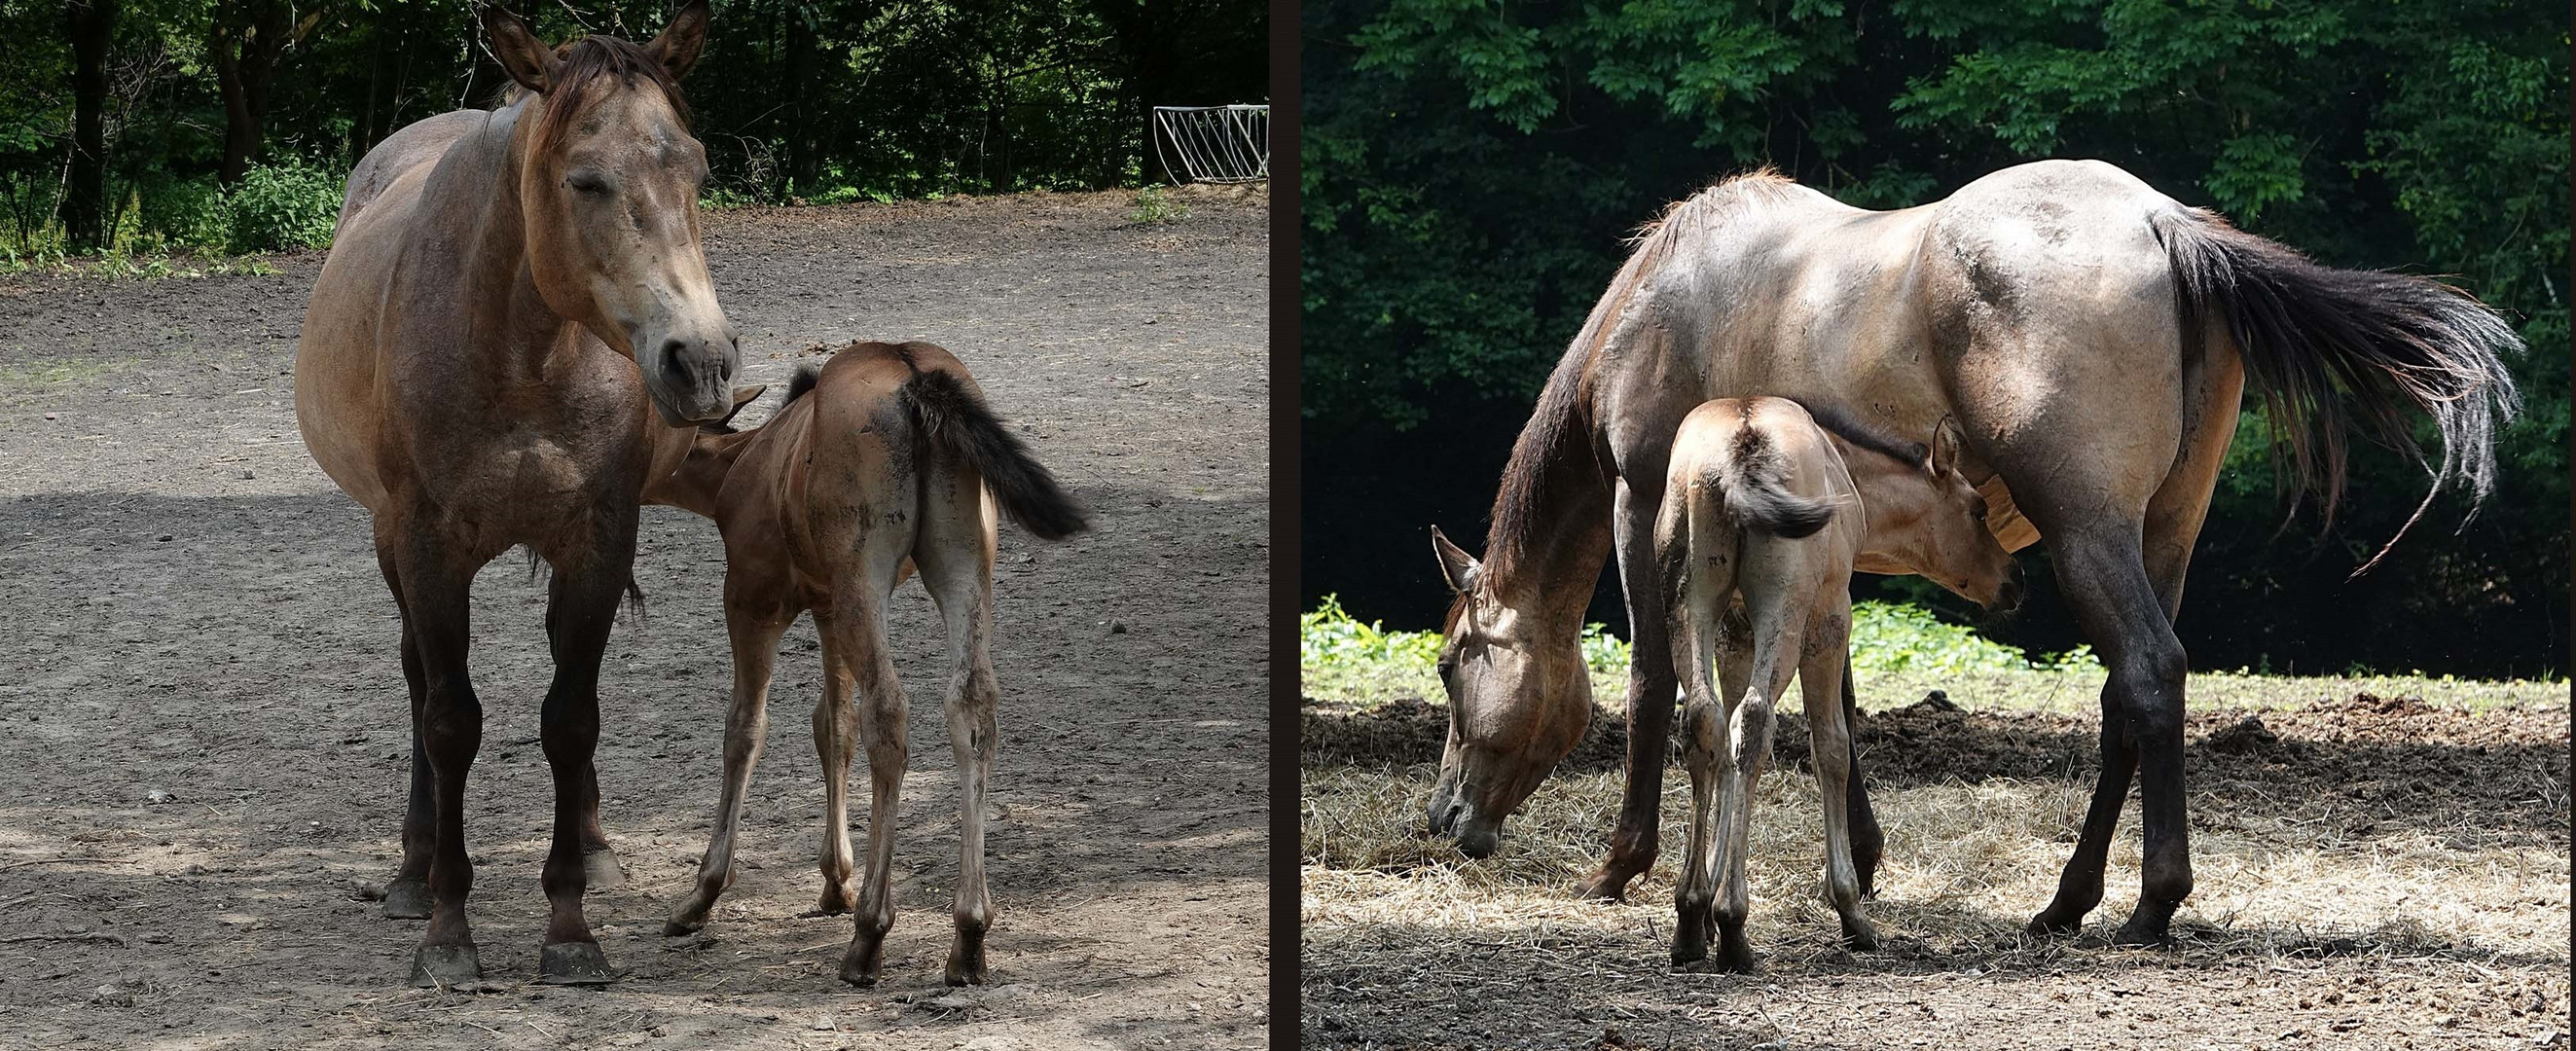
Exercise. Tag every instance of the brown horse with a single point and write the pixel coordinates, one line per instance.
(886, 460)
(1762, 521)
(2091, 336)
(512, 300)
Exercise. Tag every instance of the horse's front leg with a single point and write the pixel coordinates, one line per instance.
(580, 609)
(1868, 842)
(407, 894)
(754, 633)
(437, 603)
(1651, 689)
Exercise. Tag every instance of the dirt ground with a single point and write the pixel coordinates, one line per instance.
(204, 730)
(2372, 872)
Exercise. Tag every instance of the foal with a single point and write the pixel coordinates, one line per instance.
(1762, 522)
(886, 460)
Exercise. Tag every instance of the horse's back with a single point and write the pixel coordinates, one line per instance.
(417, 145)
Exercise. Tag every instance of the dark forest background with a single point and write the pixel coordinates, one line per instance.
(1470, 168)
(162, 125)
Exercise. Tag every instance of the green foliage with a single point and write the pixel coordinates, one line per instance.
(282, 206)
(1886, 639)
(1471, 169)
(1153, 205)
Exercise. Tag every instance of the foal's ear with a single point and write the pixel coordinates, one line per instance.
(1945, 447)
(678, 46)
(529, 62)
(1461, 568)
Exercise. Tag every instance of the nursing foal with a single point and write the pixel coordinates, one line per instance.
(886, 460)
(1764, 516)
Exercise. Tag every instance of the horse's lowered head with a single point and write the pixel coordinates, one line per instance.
(1519, 698)
(608, 182)
(1926, 518)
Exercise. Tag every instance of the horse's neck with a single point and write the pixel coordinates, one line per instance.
(1547, 569)
(472, 199)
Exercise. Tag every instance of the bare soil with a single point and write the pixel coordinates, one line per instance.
(204, 731)
(2373, 872)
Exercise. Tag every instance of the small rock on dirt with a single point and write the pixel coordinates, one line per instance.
(159, 796)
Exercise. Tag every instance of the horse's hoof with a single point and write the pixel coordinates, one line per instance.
(966, 961)
(446, 966)
(684, 923)
(2051, 922)
(600, 870)
(837, 900)
(2142, 932)
(1734, 953)
(407, 898)
(1603, 886)
(574, 963)
(1859, 935)
(865, 960)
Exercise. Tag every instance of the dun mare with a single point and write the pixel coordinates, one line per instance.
(2090, 335)
(1762, 521)
(509, 340)
(887, 460)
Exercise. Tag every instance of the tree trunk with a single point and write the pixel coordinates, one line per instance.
(93, 27)
(248, 39)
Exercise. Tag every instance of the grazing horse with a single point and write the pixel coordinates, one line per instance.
(1764, 516)
(512, 335)
(886, 460)
(2091, 337)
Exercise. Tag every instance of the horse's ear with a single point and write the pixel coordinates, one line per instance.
(744, 396)
(1461, 568)
(678, 46)
(1945, 447)
(530, 63)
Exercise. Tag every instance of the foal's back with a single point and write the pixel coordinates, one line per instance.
(1745, 475)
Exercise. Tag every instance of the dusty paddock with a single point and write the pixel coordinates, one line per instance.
(2372, 872)
(203, 725)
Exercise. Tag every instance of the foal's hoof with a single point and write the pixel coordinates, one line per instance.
(1859, 935)
(407, 898)
(446, 966)
(600, 870)
(574, 963)
(838, 900)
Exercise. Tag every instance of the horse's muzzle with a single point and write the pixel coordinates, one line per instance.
(690, 376)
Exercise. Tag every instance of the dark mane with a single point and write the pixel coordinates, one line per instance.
(1860, 434)
(584, 62)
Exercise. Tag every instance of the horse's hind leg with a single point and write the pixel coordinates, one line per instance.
(1705, 753)
(858, 623)
(407, 894)
(836, 745)
(1828, 648)
(755, 651)
(955, 552)
(1775, 631)
(581, 607)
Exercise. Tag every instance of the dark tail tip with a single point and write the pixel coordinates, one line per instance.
(956, 423)
(803, 383)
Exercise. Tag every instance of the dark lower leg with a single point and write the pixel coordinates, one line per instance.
(1651, 689)
(2079, 886)
(578, 615)
(1868, 842)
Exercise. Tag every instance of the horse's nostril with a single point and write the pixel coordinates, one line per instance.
(675, 362)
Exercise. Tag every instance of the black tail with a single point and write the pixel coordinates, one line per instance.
(2331, 347)
(1756, 494)
(955, 423)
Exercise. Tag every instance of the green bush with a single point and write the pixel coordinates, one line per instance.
(1154, 205)
(282, 206)
(174, 213)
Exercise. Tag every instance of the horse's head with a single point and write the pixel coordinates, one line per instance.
(1926, 518)
(608, 186)
(1519, 697)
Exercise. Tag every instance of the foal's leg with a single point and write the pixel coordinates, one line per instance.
(1775, 640)
(858, 618)
(755, 649)
(1829, 742)
(1868, 842)
(1710, 761)
(407, 894)
(956, 557)
(580, 609)
(437, 602)
(836, 745)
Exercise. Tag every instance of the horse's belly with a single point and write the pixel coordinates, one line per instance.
(337, 406)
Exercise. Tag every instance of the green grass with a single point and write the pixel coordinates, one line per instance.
(1155, 205)
(1899, 653)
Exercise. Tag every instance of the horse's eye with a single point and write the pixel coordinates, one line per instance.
(587, 181)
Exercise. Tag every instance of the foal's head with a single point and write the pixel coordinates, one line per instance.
(608, 186)
(1925, 518)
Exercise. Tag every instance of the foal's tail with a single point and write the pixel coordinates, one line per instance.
(1753, 482)
(957, 426)
(2331, 347)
